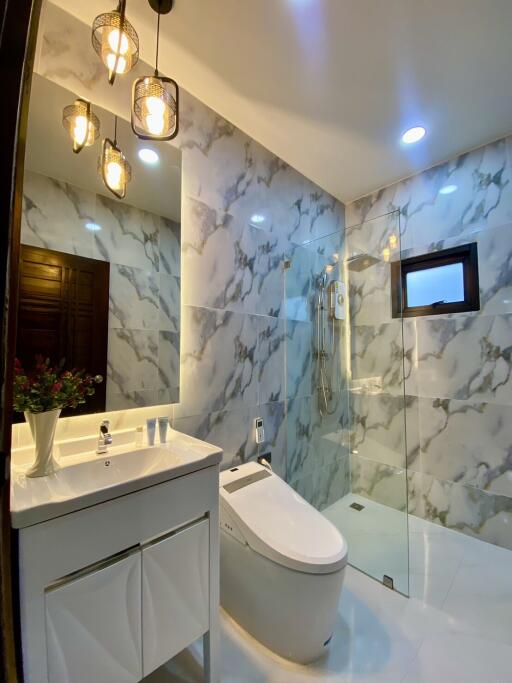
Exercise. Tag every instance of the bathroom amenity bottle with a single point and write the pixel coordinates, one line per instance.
(151, 427)
(163, 423)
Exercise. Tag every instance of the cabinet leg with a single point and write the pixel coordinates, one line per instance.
(211, 648)
(211, 640)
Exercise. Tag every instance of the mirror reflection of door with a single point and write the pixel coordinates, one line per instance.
(63, 314)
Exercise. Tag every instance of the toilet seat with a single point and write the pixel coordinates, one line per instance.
(260, 509)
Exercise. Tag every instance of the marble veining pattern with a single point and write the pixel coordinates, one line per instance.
(244, 210)
(142, 301)
(458, 365)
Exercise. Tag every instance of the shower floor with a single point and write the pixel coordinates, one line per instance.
(377, 538)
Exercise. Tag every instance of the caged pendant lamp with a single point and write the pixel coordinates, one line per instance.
(115, 41)
(82, 125)
(113, 167)
(155, 99)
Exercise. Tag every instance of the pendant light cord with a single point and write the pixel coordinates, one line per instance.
(115, 131)
(157, 41)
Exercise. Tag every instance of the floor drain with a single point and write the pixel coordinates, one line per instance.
(357, 506)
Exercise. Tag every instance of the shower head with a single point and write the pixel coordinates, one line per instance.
(361, 262)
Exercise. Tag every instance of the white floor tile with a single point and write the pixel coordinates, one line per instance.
(461, 659)
(455, 627)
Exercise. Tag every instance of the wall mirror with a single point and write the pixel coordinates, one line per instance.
(100, 276)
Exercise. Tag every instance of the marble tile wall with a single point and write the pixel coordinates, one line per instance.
(145, 281)
(244, 211)
(457, 368)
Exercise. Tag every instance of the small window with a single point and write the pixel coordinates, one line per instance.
(440, 282)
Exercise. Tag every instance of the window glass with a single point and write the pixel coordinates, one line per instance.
(441, 284)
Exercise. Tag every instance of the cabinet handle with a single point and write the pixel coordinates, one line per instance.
(158, 539)
(96, 567)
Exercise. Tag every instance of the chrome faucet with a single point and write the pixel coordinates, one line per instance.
(104, 438)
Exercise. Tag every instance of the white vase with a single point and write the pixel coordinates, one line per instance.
(42, 426)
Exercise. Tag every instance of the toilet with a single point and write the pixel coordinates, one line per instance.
(282, 563)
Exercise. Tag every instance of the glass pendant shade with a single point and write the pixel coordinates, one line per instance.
(82, 125)
(155, 108)
(114, 169)
(115, 41)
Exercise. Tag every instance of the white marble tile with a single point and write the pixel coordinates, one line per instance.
(483, 198)
(169, 244)
(494, 247)
(128, 236)
(299, 282)
(229, 265)
(372, 235)
(130, 399)
(377, 428)
(133, 298)
(477, 437)
(299, 359)
(382, 483)
(332, 481)
(465, 357)
(300, 455)
(386, 351)
(132, 360)
(55, 214)
(370, 294)
(231, 430)
(271, 359)
(169, 300)
(467, 509)
(168, 366)
(274, 421)
(219, 365)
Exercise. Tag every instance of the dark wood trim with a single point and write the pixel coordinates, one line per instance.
(19, 20)
(467, 254)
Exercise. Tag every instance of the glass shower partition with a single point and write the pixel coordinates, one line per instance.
(347, 406)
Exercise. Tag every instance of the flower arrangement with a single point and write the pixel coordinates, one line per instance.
(49, 388)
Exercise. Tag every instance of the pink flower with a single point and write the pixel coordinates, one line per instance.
(56, 387)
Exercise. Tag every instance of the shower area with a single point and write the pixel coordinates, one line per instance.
(346, 376)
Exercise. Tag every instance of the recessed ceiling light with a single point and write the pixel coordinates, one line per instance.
(93, 227)
(413, 135)
(148, 156)
(448, 189)
(257, 218)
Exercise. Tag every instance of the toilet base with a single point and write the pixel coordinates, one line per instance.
(290, 612)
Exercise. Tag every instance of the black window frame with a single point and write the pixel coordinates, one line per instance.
(466, 254)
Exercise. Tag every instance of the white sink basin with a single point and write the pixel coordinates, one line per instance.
(86, 479)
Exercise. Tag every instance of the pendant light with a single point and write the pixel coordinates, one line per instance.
(115, 41)
(113, 167)
(155, 98)
(82, 125)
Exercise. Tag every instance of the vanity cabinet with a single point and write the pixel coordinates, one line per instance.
(111, 592)
(93, 625)
(174, 594)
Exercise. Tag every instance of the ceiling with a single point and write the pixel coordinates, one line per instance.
(330, 85)
(156, 189)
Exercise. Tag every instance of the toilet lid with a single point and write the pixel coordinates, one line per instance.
(278, 523)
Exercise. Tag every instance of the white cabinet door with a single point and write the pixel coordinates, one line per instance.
(174, 594)
(93, 626)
